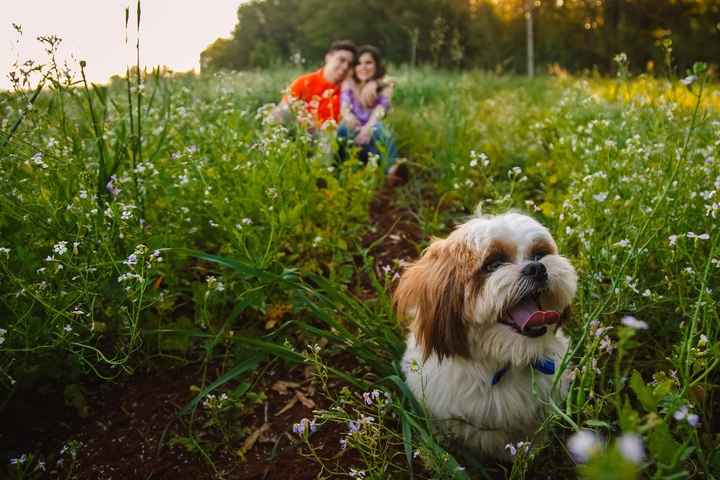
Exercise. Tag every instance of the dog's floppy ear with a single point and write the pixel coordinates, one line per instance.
(433, 291)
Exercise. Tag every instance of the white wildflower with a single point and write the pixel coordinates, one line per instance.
(631, 447)
(60, 248)
(632, 322)
(131, 260)
(624, 243)
(37, 159)
(693, 419)
(606, 344)
(583, 445)
(369, 397)
(19, 460)
(689, 80)
(680, 413)
(126, 277)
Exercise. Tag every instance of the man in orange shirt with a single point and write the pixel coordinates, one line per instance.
(320, 90)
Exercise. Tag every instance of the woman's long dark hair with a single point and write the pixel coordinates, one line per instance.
(377, 57)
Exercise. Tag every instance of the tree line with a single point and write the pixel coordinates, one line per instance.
(658, 36)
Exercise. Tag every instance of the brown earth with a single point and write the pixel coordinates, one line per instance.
(131, 430)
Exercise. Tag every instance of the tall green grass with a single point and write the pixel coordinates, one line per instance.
(160, 218)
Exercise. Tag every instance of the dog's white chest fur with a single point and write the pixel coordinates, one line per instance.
(467, 406)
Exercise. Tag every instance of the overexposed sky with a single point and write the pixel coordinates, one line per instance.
(172, 32)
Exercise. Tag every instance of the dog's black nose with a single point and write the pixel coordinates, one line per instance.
(535, 270)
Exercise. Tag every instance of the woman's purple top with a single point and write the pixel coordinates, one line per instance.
(347, 97)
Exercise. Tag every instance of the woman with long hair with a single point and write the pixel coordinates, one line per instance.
(364, 100)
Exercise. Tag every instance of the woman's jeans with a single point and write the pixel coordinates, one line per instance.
(381, 144)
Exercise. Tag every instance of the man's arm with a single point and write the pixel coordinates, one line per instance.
(281, 113)
(369, 93)
(346, 115)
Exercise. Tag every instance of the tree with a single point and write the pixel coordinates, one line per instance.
(530, 39)
(515, 35)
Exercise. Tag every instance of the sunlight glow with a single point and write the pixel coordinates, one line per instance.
(172, 33)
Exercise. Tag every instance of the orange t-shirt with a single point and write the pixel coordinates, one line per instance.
(322, 98)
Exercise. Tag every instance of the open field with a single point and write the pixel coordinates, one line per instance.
(181, 283)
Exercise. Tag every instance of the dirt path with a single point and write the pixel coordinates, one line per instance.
(129, 426)
(395, 233)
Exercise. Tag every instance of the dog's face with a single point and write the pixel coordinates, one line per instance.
(494, 288)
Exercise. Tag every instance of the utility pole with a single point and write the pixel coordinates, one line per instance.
(530, 45)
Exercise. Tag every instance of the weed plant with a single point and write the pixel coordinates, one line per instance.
(162, 218)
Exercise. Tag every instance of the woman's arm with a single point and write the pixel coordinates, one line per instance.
(382, 103)
(378, 113)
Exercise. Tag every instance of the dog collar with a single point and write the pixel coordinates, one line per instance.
(544, 365)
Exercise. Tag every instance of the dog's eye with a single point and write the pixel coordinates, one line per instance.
(494, 263)
(536, 256)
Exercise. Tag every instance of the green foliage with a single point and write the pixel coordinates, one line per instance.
(657, 36)
(215, 242)
(609, 466)
(87, 224)
(623, 174)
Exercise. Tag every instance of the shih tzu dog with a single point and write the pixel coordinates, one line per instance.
(485, 342)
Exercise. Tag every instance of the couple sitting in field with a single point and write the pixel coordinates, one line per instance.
(351, 90)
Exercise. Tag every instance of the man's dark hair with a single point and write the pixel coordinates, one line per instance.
(343, 45)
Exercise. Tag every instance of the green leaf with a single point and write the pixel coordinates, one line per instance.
(609, 465)
(269, 347)
(642, 392)
(598, 423)
(407, 440)
(662, 444)
(663, 389)
(245, 366)
(629, 418)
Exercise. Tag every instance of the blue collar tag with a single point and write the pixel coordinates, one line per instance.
(545, 365)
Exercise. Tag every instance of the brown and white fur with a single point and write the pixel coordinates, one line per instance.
(457, 294)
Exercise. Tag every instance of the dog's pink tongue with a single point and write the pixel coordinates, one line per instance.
(527, 313)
